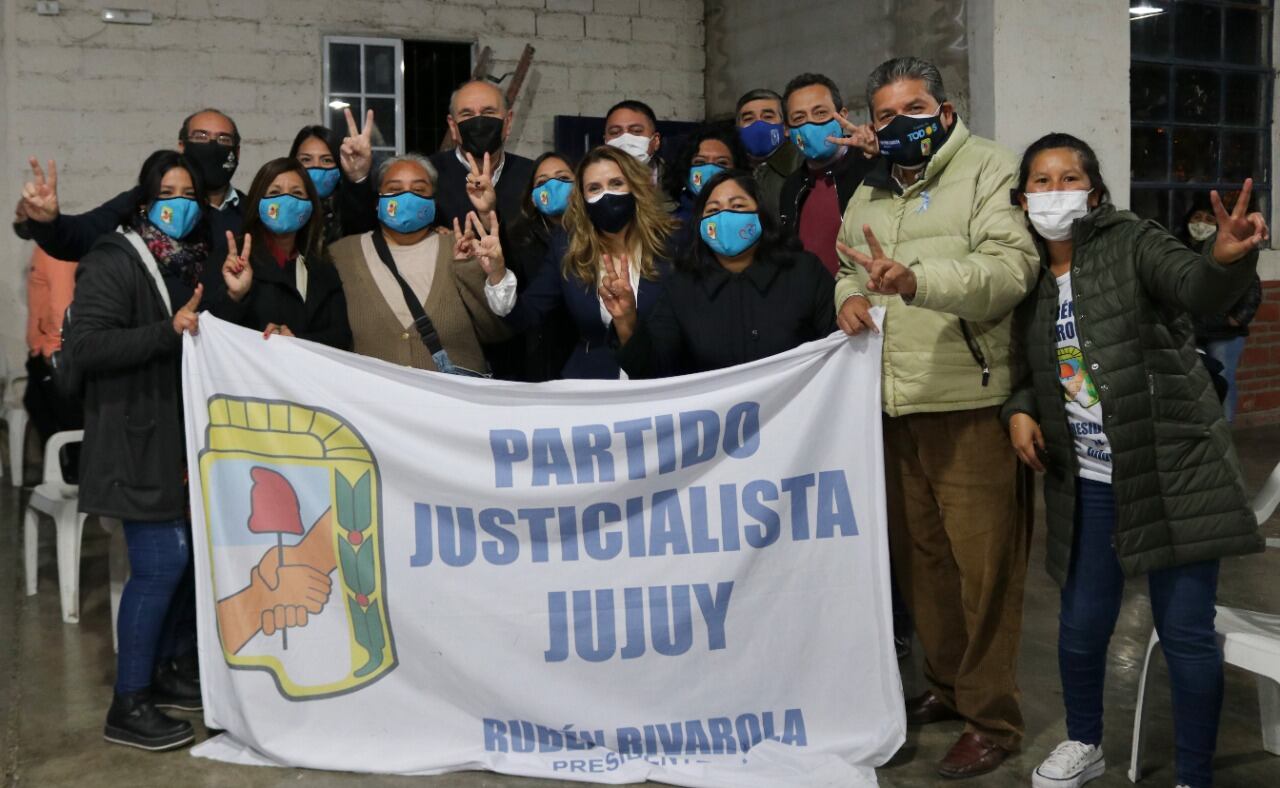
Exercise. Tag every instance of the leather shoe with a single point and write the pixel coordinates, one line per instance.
(970, 756)
(928, 708)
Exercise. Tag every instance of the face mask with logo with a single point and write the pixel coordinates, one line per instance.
(216, 163)
(284, 213)
(761, 138)
(909, 140)
(406, 212)
(1052, 213)
(633, 145)
(480, 135)
(811, 139)
(175, 216)
(609, 212)
(1200, 231)
(552, 197)
(730, 233)
(701, 174)
(325, 179)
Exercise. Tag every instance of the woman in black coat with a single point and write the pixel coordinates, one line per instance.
(344, 203)
(280, 279)
(737, 295)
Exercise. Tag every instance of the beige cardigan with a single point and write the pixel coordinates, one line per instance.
(456, 306)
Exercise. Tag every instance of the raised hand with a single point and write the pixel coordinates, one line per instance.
(884, 275)
(40, 194)
(356, 153)
(488, 249)
(464, 242)
(236, 271)
(187, 318)
(855, 316)
(1239, 232)
(618, 297)
(1028, 441)
(861, 137)
(480, 185)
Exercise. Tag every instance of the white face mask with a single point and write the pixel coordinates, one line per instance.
(634, 145)
(1200, 231)
(1052, 213)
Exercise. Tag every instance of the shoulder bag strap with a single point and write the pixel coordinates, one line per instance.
(421, 322)
(151, 266)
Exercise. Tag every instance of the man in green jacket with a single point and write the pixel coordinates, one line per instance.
(764, 136)
(932, 236)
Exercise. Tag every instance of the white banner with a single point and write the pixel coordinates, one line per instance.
(683, 580)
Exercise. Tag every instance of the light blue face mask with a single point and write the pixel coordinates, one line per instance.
(284, 213)
(701, 174)
(176, 217)
(325, 179)
(406, 212)
(811, 139)
(552, 197)
(730, 233)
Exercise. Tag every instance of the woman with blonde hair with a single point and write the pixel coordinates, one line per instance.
(614, 219)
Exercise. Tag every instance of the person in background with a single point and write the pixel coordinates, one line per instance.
(740, 294)
(319, 150)
(706, 152)
(632, 127)
(279, 275)
(613, 214)
(962, 260)
(1118, 413)
(1221, 335)
(137, 291)
(814, 197)
(408, 301)
(772, 156)
(50, 286)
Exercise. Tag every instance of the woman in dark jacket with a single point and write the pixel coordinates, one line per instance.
(280, 277)
(739, 295)
(1119, 413)
(343, 202)
(137, 291)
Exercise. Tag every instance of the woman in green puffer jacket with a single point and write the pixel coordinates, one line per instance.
(1117, 411)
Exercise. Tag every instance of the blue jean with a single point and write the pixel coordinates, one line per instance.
(157, 606)
(1182, 600)
(1227, 352)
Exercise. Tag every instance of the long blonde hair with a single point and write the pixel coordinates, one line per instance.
(650, 228)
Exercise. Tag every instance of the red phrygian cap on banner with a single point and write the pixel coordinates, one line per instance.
(273, 504)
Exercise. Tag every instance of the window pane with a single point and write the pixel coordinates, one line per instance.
(1241, 154)
(1245, 31)
(1150, 204)
(384, 121)
(1150, 154)
(1197, 31)
(379, 69)
(344, 68)
(337, 118)
(1196, 96)
(1195, 155)
(1149, 35)
(1149, 92)
(1244, 99)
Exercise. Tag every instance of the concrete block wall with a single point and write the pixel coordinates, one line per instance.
(98, 98)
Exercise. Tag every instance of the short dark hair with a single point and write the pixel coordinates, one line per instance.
(759, 94)
(676, 176)
(186, 124)
(696, 257)
(634, 106)
(310, 236)
(808, 80)
(152, 173)
(909, 67)
(1057, 139)
(322, 133)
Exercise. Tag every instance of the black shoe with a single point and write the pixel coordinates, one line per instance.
(134, 721)
(171, 691)
(188, 666)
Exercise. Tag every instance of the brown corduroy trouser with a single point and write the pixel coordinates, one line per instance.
(958, 535)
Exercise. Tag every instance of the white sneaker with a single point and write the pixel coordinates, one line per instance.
(1070, 765)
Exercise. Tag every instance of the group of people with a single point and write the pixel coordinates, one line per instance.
(1048, 331)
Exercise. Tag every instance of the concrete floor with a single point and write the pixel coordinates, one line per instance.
(55, 684)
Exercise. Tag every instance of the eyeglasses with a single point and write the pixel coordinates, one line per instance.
(200, 135)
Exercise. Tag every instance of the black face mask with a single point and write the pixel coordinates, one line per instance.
(909, 142)
(612, 211)
(216, 163)
(481, 135)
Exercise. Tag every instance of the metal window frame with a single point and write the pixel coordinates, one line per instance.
(398, 96)
(1172, 64)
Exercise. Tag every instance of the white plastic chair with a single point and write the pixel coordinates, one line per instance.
(1249, 640)
(15, 415)
(118, 569)
(59, 500)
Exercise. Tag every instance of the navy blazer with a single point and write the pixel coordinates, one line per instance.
(548, 288)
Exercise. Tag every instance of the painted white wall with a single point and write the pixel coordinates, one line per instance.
(98, 98)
